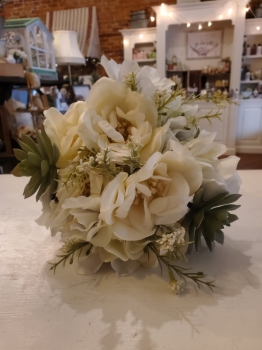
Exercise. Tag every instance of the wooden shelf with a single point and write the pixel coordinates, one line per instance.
(250, 81)
(252, 56)
(146, 60)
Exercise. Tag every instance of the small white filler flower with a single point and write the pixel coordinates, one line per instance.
(168, 241)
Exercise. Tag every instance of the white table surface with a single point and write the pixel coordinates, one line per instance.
(41, 311)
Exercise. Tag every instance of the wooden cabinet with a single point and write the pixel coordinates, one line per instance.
(249, 126)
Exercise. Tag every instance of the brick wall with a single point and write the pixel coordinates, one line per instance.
(112, 16)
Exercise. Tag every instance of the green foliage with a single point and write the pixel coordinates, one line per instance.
(181, 272)
(38, 161)
(208, 218)
(69, 249)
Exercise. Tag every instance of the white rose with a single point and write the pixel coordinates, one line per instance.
(147, 78)
(116, 114)
(219, 175)
(62, 130)
(157, 194)
(117, 253)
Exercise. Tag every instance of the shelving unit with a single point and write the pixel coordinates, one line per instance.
(146, 60)
(143, 39)
(249, 126)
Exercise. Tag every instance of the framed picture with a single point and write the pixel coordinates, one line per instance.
(204, 44)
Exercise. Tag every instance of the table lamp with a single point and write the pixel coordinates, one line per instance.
(66, 50)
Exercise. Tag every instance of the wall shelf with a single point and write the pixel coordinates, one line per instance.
(250, 81)
(252, 56)
(144, 60)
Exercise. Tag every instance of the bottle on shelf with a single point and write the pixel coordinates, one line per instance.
(259, 49)
(248, 51)
(254, 50)
(244, 48)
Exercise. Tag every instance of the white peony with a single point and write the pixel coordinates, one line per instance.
(157, 194)
(219, 175)
(62, 130)
(147, 78)
(114, 115)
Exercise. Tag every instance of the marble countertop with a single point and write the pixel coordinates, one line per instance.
(43, 311)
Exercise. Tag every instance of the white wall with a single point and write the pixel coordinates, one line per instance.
(176, 39)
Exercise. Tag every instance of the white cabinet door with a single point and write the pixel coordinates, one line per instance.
(249, 130)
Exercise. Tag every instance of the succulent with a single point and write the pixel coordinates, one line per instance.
(208, 218)
(38, 161)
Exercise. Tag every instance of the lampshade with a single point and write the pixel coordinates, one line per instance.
(66, 48)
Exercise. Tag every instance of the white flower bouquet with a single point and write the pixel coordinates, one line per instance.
(128, 178)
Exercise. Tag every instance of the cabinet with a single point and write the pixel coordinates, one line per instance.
(252, 63)
(249, 127)
(140, 45)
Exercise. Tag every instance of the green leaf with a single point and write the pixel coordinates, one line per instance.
(34, 159)
(230, 199)
(191, 237)
(230, 207)
(232, 217)
(198, 234)
(209, 227)
(25, 168)
(209, 204)
(218, 214)
(198, 218)
(45, 167)
(33, 185)
(25, 147)
(48, 145)
(187, 219)
(56, 154)
(31, 143)
(42, 188)
(216, 225)
(198, 197)
(53, 182)
(41, 144)
(219, 237)
(20, 154)
(208, 236)
(18, 171)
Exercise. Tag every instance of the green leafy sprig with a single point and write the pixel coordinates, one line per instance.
(208, 218)
(38, 161)
(70, 248)
(196, 277)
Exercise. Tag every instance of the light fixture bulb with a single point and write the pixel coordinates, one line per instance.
(163, 9)
(209, 23)
(247, 9)
(258, 27)
(152, 18)
(188, 25)
(220, 16)
(200, 27)
(141, 36)
(125, 42)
